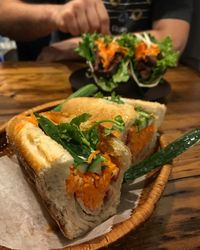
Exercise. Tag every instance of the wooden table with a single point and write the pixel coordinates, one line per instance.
(175, 223)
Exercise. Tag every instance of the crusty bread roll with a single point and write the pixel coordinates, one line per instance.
(78, 202)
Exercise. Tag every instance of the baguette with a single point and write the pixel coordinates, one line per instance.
(76, 201)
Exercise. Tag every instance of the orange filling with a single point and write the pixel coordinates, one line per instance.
(108, 51)
(90, 187)
(142, 50)
(137, 140)
(21, 124)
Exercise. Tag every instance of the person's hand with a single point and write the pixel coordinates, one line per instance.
(60, 51)
(79, 16)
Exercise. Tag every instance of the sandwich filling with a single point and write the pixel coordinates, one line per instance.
(95, 166)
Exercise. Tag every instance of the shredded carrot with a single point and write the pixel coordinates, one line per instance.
(92, 156)
(89, 187)
(108, 51)
(137, 140)
(142, 50)
(31, 119)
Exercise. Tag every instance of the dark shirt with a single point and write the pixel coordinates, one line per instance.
(125, 16)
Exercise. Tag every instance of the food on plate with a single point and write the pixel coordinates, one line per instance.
(77, 166)
(142, 119)
(113, 60)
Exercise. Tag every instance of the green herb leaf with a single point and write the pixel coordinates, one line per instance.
(121, 76)
(63, 134)
(96, 166)
(86, 46)
(118, 124)
(144, 118)
(79, 119)
(128, 40)
(92, 136)
(49, 128)
(115, 98)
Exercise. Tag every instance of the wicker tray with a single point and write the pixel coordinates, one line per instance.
(154, 186)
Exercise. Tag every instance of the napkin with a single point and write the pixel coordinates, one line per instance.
(25, 223)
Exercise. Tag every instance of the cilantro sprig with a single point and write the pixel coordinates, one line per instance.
(80, 143)
(144, 118)
(113, 98)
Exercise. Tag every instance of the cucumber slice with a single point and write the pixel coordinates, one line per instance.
(164, 155)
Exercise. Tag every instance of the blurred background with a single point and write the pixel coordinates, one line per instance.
(190, 57)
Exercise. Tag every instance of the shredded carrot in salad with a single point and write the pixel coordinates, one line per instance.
(142, 50)
(108, 51)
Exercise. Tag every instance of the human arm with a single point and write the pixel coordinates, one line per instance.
(60, 51)
(172, 18)
(24, 21)
(177, 29)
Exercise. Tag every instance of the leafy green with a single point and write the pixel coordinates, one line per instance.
(144, 118)
(49, 128)
(80, 144)
(105, 84)
(79, 119)
(168, 58)
(86, 46)
(169, 55)
(118, 124)
(128, 40)
(96, 166)
(53, 131)
(113, 98)
(99, 95)
(121, 75)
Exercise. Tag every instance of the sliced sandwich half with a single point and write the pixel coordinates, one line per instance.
(76, 165)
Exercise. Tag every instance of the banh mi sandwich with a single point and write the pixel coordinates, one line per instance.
(142, 119)
(77, 166)
(114, 60)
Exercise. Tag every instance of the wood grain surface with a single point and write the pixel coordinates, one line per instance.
(175, 223)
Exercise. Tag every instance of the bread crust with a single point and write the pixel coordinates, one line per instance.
(99, 109)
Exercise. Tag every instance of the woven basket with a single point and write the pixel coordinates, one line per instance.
(155, 184)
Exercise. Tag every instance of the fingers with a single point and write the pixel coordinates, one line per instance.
(80, 16)
(93, 19)
(103, 17)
